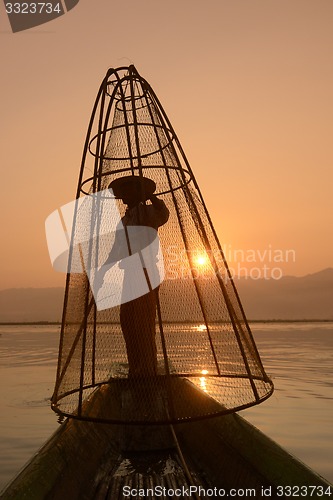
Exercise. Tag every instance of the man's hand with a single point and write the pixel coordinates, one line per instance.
(158, 204)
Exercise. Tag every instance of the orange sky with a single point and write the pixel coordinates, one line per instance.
(247, 85)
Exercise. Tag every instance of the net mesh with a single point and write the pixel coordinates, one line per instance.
(190, 330)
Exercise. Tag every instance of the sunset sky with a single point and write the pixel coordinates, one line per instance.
(247, 85)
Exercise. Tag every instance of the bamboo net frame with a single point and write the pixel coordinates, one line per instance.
(202, 336)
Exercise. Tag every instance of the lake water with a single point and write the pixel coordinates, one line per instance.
(299, 415)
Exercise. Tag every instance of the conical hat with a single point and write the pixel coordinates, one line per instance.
(144, 185)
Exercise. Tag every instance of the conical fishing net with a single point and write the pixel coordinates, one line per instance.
(153, 329)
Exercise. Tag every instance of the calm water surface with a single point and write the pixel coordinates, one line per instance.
(299, 415)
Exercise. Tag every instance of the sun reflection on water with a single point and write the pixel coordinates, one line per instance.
(203, 380)
(200, 328)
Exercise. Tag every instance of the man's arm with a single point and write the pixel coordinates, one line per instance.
(158, 204)
(161, 215)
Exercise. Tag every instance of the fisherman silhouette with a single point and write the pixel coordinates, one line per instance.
(137, 317)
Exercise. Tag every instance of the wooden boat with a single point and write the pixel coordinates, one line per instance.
(223, 456)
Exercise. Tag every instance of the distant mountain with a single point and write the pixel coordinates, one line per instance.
(306, 297)
(31, 304)
(295, 298)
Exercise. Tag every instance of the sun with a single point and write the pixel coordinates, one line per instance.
(201, 260)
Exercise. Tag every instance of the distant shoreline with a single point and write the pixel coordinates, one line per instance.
(307, 298)
(58, 323)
